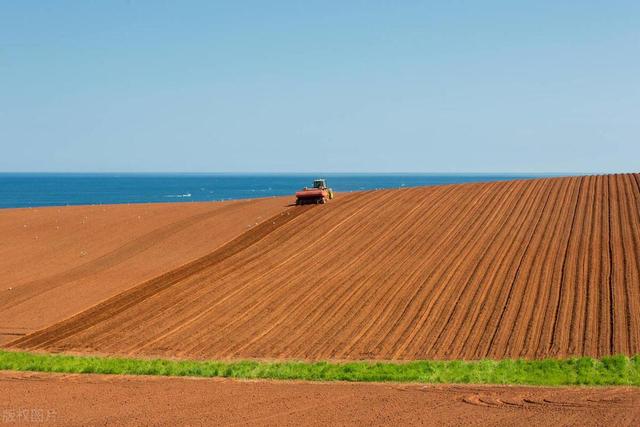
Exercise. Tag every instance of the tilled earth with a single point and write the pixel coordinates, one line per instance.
(58, 261)
(28, 398)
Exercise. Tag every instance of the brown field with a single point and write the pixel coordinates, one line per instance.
(59, 261)
(123, 400)
(530, 268)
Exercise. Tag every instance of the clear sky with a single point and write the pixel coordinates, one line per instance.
(301, 86)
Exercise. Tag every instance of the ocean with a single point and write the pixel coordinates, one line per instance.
(19, 190)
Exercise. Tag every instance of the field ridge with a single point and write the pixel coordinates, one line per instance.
(137, 294)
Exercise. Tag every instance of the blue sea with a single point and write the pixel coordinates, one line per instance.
(54, 189)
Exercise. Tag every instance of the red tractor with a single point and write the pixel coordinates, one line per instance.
(318, 194)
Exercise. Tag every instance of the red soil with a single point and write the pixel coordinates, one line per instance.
(127, 400)
(530, 268)
(62, 260)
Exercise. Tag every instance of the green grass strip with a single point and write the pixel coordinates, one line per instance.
(614, 370)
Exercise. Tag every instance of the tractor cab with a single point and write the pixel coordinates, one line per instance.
(319, 183)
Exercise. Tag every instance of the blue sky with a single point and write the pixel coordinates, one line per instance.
(449, 86)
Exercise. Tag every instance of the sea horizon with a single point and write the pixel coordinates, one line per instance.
(39, 189)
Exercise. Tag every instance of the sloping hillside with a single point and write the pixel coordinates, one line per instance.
(529, 268)
(58, 261)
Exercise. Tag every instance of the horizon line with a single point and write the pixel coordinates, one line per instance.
(303, 173)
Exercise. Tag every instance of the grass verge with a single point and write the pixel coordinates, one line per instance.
(614, 370)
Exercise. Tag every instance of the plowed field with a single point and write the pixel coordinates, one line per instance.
(130, 400)
(58, 261)
(529, 268)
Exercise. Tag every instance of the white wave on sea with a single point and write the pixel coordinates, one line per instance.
(179, 195)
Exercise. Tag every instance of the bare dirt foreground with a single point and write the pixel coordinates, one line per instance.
(30, 398)
(529, 268)
(57, 261)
